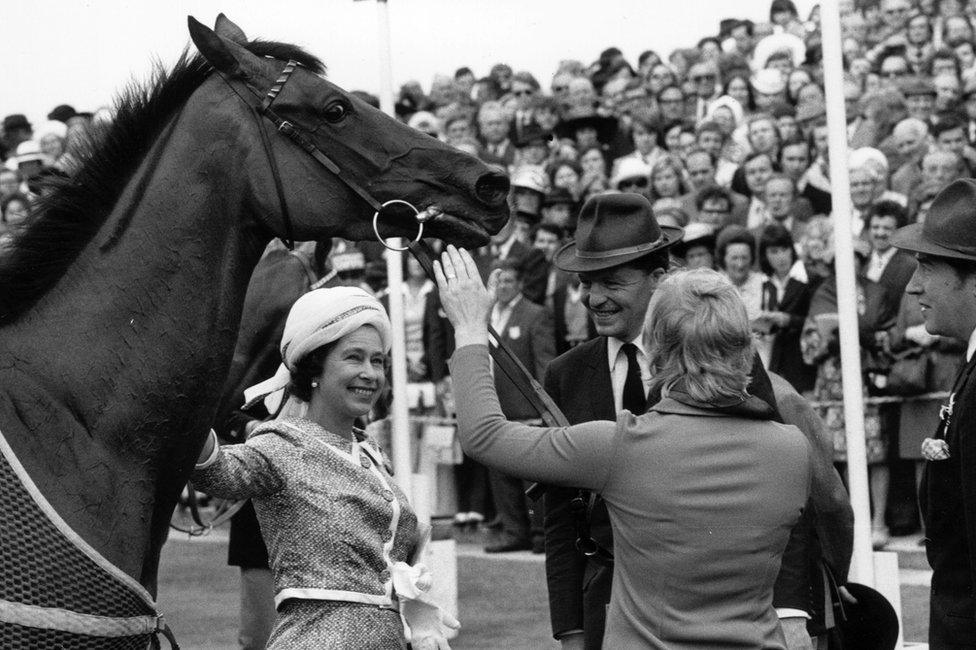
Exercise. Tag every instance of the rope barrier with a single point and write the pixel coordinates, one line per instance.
(873, 401)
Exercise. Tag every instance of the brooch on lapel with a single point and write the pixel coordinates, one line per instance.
(514, 332)
(945, 411)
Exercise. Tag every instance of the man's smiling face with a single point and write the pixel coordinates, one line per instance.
(617, 298)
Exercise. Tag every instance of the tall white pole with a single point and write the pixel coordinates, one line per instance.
(862, 568)
(400, 425)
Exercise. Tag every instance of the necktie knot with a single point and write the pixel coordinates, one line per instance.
(630, 351)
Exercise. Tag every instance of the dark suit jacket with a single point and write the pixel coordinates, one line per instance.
(559, 319)
(433, 336)
(506, 158)
(948, 499)
(895, 277)
(535, 269)
(528, 334)
(785, 358)
(579, 382)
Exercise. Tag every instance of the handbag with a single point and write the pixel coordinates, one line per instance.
(909, 374)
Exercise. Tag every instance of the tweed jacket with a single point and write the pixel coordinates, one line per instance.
(332, 517)
(697, 549)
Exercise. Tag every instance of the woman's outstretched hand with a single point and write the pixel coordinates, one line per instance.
(466, 300)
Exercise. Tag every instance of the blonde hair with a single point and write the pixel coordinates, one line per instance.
(697, 331)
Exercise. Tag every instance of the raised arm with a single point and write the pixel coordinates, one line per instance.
(574, 456)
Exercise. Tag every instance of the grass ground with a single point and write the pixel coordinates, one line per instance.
(502, 599)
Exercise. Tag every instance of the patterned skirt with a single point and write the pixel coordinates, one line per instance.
(829, 388)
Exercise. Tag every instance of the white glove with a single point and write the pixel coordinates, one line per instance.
(426, 626)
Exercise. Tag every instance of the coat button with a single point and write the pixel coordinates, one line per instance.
(384, 575)
(364, 461)
(388, 495)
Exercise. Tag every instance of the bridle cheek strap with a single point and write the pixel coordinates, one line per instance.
(296, 135)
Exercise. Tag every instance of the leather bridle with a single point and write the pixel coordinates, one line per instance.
(298, 136)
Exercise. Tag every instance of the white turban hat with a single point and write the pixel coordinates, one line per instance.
(318, 318)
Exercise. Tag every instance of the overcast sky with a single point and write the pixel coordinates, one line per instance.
(81, 51)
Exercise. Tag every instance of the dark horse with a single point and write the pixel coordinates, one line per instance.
(120, 305)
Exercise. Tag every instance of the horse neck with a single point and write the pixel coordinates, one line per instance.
(130, 348)
(141, 305)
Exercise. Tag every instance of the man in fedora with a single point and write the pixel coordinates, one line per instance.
(945, 284)
(620, 254)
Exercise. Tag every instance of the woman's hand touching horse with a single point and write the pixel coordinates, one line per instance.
(466, 300)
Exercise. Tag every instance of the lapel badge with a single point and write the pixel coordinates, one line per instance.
(945, 411)
(514, 332)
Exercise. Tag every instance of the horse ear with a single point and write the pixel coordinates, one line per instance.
(228, 29)
(222, 53)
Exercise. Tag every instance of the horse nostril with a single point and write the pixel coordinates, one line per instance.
(492, 188)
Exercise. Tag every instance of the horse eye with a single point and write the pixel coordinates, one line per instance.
(335, 112)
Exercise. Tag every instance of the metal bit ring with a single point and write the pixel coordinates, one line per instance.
(376, 228)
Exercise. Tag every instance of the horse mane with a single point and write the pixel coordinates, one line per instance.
(73, 209)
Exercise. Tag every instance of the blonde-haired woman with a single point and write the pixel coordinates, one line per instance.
(702, 490)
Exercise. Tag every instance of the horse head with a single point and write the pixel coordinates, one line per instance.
(376, 158)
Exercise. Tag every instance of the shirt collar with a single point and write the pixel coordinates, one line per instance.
(509, 305)
(614, 344)
(885, 256)
(799, 272)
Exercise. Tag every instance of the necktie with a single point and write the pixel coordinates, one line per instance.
(634, 399)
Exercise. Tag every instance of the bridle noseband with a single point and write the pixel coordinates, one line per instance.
(298, 136)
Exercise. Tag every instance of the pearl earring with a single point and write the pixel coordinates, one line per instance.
(315, 384)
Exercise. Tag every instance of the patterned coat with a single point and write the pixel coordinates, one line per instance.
(334, 522)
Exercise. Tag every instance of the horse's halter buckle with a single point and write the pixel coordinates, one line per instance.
(295, 134)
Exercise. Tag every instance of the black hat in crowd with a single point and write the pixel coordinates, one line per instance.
(950, 226)
(614, 229)
(696, 234)
(605, 125)
(62, 113)
(16, 121)
(531, 134)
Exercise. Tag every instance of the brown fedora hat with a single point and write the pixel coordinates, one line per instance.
(614, 229)
(950, 226)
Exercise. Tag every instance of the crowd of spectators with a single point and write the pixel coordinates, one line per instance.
(727, 139)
